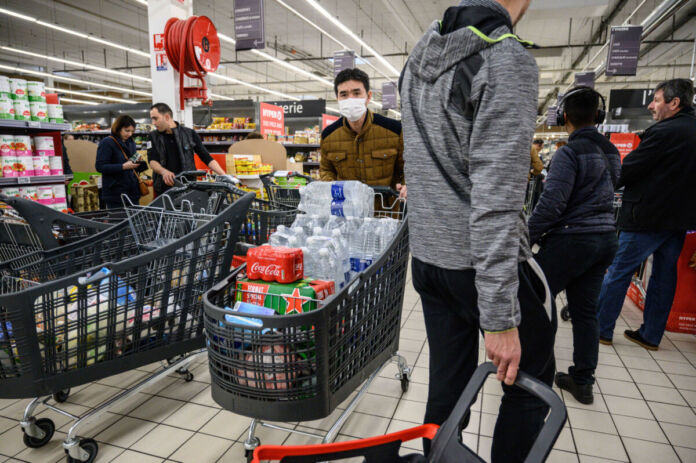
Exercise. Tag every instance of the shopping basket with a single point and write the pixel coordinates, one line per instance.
(446, 443)
(107, 305)
(282, 187)
(300, 367)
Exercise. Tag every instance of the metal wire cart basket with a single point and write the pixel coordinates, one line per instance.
(121, 299)
(301, 366)
(283, 187)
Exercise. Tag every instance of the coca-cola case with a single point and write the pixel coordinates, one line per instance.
(283, 265)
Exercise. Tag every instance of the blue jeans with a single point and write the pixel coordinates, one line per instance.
(634, 248)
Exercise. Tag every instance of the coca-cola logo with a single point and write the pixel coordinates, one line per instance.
(270, 270)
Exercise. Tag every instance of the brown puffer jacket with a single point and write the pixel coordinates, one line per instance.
(375, 156)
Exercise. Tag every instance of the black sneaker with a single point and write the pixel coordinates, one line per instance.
(606, 341)
(581, 392)
(635, 336)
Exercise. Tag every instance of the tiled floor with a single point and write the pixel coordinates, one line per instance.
(644, 409)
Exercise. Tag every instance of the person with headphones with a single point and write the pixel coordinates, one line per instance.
(574, 225)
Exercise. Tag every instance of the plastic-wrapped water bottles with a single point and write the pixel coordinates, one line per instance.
(350, 198)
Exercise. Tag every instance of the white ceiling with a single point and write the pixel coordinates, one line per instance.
(388, 26)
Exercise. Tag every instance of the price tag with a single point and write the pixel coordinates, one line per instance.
(23, 180)
(34, 124)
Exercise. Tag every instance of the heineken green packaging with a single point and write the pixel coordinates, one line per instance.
(285, 299)
(36, 91)
(5, 87)
(6, 108)
(55, 113)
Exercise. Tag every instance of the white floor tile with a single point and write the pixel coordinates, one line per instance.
(599, 445)
(162, 441)
(679, 435)
(653, 378)
(629, 407)
(618, 388)
(641, 451)
(673, 413)
(591, 421)
(200, 448)
(409, 410)
(639, 428)
(668, 395)
(125, 432)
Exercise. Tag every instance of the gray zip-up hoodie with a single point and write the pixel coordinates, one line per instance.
(468, 100)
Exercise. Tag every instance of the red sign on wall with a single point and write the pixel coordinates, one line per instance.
(272, 119)
(158, 41)
(625, 143)
(327, 120)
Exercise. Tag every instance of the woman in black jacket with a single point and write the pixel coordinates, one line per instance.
(115, 161)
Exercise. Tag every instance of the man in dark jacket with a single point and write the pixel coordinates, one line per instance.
(575, 223)
(469, 93)
(171, 148)
(658, 177)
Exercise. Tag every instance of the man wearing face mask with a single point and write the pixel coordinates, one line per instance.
(361, 145)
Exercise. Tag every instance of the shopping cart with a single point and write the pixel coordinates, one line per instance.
(301, 366)
(109, 304)
(282, 187)
(446, 443)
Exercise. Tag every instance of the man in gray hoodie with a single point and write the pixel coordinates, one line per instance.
(469, 93)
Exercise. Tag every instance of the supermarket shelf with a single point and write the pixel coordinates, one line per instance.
(301, 145)
(6, 123)
(248, 177)
(220, 131)
(220, 143)
(310, 164)
(101, 132)
(43, 180)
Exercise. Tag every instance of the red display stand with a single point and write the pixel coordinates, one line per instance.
(682, 316)
(220, 158)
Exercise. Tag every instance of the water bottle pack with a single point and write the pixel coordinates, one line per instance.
(337, 233)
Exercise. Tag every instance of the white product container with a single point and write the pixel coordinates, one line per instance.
(60, 205)
(22, 110)
(55, 113)
(59, 193)
(18, 89)
(56, 163)
(44, 146)
(7, 144)
(45, 195)
(22, 145)
(24, 166)
(8, 166)
(39, 111)
(36, 91)
(12, 191)
(42, 166)
(6, 107)
(29, 192)
(5, 86)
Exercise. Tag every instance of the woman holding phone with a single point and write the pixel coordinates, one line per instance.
(119, 164)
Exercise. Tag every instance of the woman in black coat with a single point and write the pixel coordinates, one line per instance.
(115, 156)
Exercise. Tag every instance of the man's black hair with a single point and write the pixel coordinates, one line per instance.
(678, 88)
(163, 108)
(581, 107)
(352, 74)
(538, 141)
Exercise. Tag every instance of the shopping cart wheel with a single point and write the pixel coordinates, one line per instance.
(188, 376)
(88, 445)
(47, 427)
(61, 396)
(565, 314)
(249, 449)
(404, 382)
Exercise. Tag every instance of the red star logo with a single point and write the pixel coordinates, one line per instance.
(295, 302)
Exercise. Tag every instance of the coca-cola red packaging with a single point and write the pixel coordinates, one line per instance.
(267, 263)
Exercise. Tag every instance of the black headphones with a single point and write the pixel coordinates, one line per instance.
(601, 112)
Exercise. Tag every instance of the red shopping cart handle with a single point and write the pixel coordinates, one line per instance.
(375, 449)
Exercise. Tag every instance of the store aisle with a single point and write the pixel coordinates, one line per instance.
(644, 409)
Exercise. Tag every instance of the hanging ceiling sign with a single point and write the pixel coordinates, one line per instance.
(624, 48)
(249, 24)
(388, 95)
(272, 119)
(586, 79)
(551, 117)
(303, 108)
(344, 59)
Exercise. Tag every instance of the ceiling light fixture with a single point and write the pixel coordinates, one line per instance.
(74, 81)
(255, 87)
(71, 100)
(73, 32)
(77, 63)
(90, 95)
(280, 62)
(322, 31)
(350, 33)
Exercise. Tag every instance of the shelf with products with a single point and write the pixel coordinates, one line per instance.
(35, 180)
(301, 146)
(32, 125)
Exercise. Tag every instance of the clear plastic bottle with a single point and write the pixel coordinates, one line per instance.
(303, 220)
(299, 234)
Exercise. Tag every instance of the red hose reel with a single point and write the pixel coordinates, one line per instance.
(193, 48)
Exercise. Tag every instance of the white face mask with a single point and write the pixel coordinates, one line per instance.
(353, 108)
